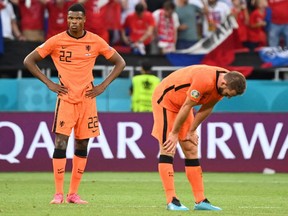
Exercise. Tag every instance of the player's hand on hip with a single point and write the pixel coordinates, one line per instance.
(95, 91)
(59, 89)
(170, 144)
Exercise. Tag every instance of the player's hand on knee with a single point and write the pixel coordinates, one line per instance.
(169, 147)
(170, 144)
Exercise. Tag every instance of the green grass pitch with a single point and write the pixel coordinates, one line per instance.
(140, 194)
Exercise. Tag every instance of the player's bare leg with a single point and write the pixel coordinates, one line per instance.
(194, 174)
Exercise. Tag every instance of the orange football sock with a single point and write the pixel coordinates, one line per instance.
(79, 164)
(59, 171)
(166, 171)
(194, 175)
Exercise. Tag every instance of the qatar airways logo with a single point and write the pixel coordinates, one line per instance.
(130, 141)
(42, 140)
(247, 146)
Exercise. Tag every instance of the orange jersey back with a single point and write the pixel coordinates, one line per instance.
(74, 60)
(198, 82)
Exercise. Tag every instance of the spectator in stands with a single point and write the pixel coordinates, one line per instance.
(32, 19)
(198, 3)
(256, 33)
(16, 9)
(200, 17)
(113, 21)
(57, 10)
(2, 5)
(10, 28)
(250, 5)
(142, 88)
(241, 14)
(217, 14)
(96, 11)
(268, 19)
(279, 23)
(167, 23)
(137, 30)
(228, 2)
(188, 33)
(128, 7)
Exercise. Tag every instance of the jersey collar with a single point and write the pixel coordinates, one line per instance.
(76, 37)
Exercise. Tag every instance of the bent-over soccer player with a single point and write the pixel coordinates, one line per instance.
(174, 121)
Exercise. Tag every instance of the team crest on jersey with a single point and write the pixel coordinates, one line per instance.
(195, 94)
(88, 48)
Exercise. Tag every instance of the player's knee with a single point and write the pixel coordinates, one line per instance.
(81, 153)
(190, 151)
(59, 153)
(165, 152)
(61, 142)
(81, 144)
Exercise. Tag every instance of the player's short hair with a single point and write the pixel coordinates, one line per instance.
(236, 81)
(77, 7)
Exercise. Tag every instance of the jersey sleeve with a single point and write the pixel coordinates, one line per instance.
(104, 48)
(47, 47)
(199, 87)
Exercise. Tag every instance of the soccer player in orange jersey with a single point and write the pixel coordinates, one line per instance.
(74, 53)
(174, 121)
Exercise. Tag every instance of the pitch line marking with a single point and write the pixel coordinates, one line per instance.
(259, 207)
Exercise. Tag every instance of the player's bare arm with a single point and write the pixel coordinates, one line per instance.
(200, 116)
(119, 65)
(30, 63)
(170, 144)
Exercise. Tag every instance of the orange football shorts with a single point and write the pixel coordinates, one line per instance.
(80, 116)
(164, 120)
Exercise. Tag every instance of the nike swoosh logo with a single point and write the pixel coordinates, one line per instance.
(60, 171)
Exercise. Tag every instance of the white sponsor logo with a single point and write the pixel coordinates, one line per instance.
(42, 140)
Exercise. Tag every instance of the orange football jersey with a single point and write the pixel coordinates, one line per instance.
(74, 59)
(198, 82)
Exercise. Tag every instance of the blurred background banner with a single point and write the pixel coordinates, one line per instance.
(30, 95)
(276, 56)
(229, 142)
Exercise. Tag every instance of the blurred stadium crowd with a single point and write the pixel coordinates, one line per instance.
(151, 26)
